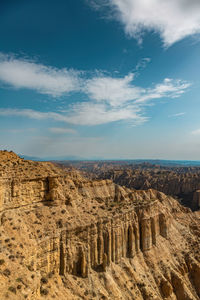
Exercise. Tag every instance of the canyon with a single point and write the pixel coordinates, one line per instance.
(67, 235)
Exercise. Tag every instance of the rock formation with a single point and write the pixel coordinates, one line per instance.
(182, 182)
(64, 236)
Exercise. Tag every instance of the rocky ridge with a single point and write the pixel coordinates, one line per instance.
(64, 236)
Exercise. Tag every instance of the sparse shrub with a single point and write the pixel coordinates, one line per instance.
(11, 257)
(12, 289)
(30, 268)
(6, 272)
(2, 261)
(59, 223)
(86, 293)
(50, 275)
(44, 291)
(44, 280)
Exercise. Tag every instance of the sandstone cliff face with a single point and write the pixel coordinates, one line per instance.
(66, 237)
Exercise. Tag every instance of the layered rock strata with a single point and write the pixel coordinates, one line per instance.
(66, 237)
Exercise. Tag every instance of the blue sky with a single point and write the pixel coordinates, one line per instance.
(103, 78)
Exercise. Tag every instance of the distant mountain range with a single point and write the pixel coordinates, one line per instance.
(162, 162)
(51, 158)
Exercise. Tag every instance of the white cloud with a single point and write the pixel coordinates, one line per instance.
(88, 113)
(115, 91)
(118, 91)
(22, 73)
(112, 99)
(168, 88)
(196, 132)
(172, 19)
(59, 130)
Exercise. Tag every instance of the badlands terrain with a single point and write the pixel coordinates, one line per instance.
(98, 233)
(177, 181)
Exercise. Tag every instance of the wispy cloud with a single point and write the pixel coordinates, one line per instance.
(60, 130)
(142, 63)
(32, 114)
(118, 91)
(84, 113)
(177, 115)
(172, 19)
(109, 98)
(27, 74)
(169, 88)
(88, 113)
(196, 132)
(17, 130)
(127, 103)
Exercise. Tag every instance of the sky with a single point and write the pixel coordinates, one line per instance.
(100, 79)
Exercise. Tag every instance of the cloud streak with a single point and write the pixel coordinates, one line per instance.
(172, 19)
(59, 130)
(80, 114)
(177, 115)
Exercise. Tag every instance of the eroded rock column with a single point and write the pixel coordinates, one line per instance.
(130, 242)
(145, 231)
(163, 225)
(100, 244)
(93, 246)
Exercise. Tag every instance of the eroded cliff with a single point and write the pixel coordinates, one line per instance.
(66, 237)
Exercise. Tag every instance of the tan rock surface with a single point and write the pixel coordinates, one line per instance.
(63, 236)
